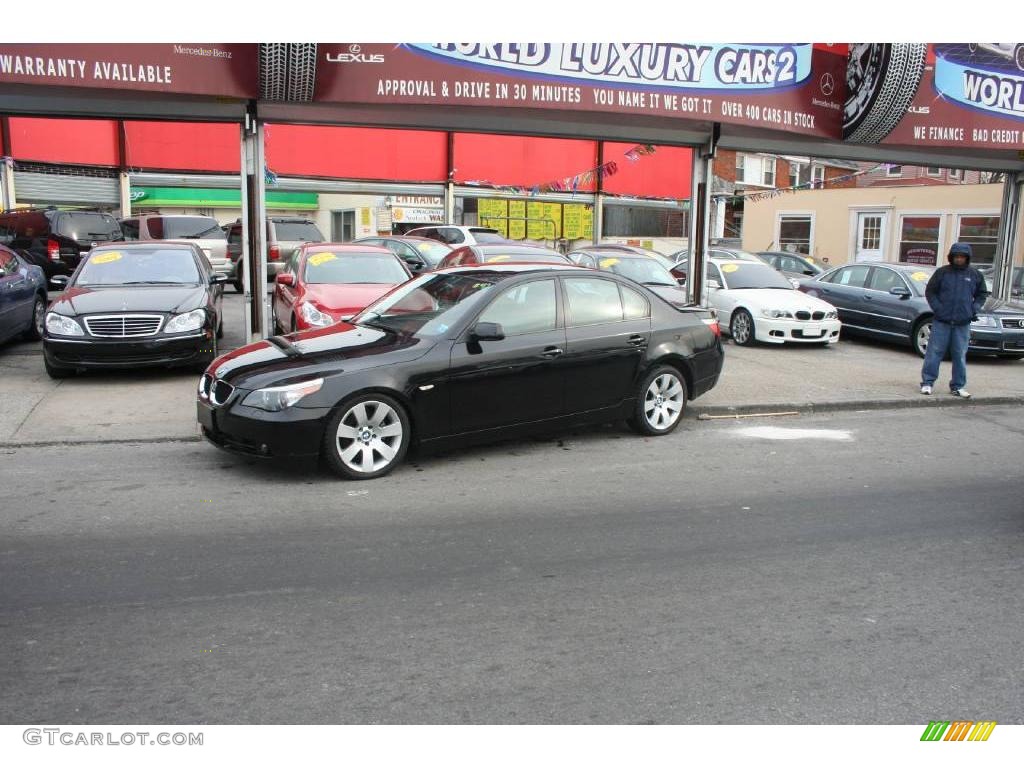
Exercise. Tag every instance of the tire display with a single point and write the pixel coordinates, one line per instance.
(881, 80)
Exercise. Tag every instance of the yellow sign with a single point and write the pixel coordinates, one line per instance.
(536, 228)
(496, 208)
(364, 217)
(606, 263)
(106, 258)
(516, 225)
(729, 267)
(920, 277)
(572, 214)
(319, 258)
(587, 222)
(553, 212)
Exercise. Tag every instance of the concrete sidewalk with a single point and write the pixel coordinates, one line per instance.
(155, 405)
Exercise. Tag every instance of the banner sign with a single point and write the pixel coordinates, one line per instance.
(948, 95)
(795, 87)
(211, 69)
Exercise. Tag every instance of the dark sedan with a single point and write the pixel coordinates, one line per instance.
(420, 254)
(887, 301)
(642, 269)
(462, 355)
(793, 265)
(22, 297)
(494, 253)
(137, 304)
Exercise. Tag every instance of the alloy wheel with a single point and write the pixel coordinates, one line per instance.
(663, 402)
(369, 436)
(39, 316)
(741, 328)
(924, 333)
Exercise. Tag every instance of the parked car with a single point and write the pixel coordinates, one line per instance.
(22, 297)
(1016, 279)
(642, 269)
(469, 255)
(792, 265)
(420, 254)
(681, 259)
(631, 249)
(454, 236)
(56, 240)
(887, 301)
(203, 231)
(323, 283)
(461, 355)
(756, 303)
(284, 234)
(135, 304)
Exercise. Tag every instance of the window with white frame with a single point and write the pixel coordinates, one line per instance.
(981, 232)
(795, 233)
(955, 174)
(739, 165)
(818, 177)
(919, 239)
(757, 170)
(894, 170)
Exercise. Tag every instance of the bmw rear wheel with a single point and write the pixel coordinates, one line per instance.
(367, 437)
(660, 402)
(741, 327)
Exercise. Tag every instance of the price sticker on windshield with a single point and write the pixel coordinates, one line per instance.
(606, 263)
(920, 277)
(106, 258)
(499, 258)
(319, 258)
(729, 267)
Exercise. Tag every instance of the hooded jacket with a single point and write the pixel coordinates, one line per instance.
(956, 294)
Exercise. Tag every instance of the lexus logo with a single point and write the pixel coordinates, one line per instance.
(827, 84)
(355, 55)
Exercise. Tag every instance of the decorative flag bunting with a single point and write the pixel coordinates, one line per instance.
(757, 196)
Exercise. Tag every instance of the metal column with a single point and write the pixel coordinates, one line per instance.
(700, 214)
(7, 183)
(1006, 244)
(254, 229)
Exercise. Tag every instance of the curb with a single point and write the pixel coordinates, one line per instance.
(855, 405)
(111, 441)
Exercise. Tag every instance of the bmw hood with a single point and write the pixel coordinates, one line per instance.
(136, 298)
(778, 298)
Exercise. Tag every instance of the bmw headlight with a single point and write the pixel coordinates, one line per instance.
(189, 321)
(831, 315)
(279, 398)
(985, 321)
(62, 326)
(776, 313)
(314, 316)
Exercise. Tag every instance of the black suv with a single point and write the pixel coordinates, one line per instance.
(56, 240)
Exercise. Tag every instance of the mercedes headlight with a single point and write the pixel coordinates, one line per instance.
(279, 398)
(62, 326)
(314, 316)
(985, 321)
(776, 313)
(189, 321)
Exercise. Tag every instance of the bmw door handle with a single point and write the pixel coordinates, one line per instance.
(637, 341)
(551, 352)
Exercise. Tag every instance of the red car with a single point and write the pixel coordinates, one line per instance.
(323, 283)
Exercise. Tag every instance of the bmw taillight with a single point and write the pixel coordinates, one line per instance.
(712, 323)
(53, 250)
(275, 253)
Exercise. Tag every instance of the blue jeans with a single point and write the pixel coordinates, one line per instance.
(951, 338)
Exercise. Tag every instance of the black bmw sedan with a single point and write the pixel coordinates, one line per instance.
(462, 355)
(135, 304)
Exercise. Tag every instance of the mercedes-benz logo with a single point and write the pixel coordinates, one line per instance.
(355, 48)
(827, 84)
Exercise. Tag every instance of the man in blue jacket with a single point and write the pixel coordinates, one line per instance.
(956, 293)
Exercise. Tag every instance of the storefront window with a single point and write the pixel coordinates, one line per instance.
(919, 240)
(795, 234)
(981, 232)
(637, 221)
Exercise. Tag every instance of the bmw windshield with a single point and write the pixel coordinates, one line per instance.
(429, 305)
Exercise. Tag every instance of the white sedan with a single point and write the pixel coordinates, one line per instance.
(756, 303)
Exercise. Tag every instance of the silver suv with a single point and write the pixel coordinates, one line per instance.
(284, 235)
(455, 236)
(204, 231)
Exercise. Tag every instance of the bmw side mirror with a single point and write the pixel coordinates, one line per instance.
(714, 285)
(487, 332)
(899, 290)
(60, 282)
(415, 266)
(218, 279)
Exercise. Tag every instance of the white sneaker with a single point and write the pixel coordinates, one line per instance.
(926, 389)
(960, 393)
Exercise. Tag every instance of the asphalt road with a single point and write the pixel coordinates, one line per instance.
(865, 571)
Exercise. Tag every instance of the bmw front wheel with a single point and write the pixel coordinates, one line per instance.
(367, 437)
